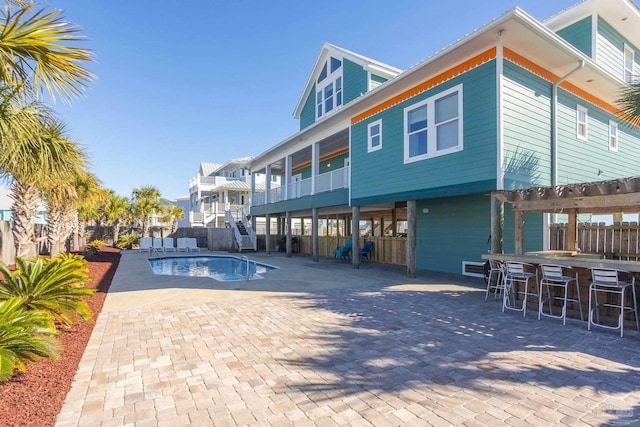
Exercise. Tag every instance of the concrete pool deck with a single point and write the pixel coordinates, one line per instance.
(320, 344)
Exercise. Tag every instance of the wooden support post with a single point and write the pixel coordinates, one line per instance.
(411, 238)
(267, 234)
(497, 226)
(315, 249)
(572, 228)
(394, 223)
(381, 226)
(373, 224)
(355, 237)
(518, 232)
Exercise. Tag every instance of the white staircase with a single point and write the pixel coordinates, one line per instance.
(244, 235)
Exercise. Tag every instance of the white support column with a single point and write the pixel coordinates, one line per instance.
(287, 177)
(287, 230)
(267, 185)
(315, 165)
(253, 186)
(267, 234)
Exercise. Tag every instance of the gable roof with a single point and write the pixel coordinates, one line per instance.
(329, 50)
(207, 168)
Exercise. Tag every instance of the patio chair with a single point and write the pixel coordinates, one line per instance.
(167, 244)
(192, 244)
(157, 245)
(343, 252)
(145, 244)
(364, 252)
(182, 244)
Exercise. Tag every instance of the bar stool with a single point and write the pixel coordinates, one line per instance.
(514, 274)
(608, 281)
(556, 277)
(495, 281)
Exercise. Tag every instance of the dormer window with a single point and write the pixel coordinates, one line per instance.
(329, 87)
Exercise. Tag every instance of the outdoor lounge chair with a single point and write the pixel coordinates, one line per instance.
(192, 244)
(157, 245)
(364, 252)
(343, 252)
(167, 244)
(145, 244)
(182, 244)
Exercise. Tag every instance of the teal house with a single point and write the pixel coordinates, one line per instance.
(514, 104)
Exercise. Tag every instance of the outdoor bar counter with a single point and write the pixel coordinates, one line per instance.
(571, 259)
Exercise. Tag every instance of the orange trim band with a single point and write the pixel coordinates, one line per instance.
(426, 85)
(322, 159)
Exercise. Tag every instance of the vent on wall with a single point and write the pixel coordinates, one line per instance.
(473, 269)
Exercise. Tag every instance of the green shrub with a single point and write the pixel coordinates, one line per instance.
(93, 248)
(25, 335)
(54, 286)
(128, 241)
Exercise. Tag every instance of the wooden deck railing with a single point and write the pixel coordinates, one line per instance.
(618, 241)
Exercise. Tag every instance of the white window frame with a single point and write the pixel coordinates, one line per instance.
(579, 135)
(613, 138)
(628, 75)
(370, 147)
(330, 80)
(432, 150)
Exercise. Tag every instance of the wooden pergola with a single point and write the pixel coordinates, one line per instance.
(602, 197)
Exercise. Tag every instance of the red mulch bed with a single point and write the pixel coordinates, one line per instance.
(34, 398)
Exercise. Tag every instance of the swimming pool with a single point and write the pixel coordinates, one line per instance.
(223, 268)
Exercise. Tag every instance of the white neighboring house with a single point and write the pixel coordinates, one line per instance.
(183, 203)
(6, 202)
(221, 187)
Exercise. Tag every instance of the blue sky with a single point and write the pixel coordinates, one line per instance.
(181, 82)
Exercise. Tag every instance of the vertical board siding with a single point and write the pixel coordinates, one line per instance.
(383, 172)
(527, 128)
(579, 35)
(610, 49)
(354, 81)
(308, 114)
(455, 229)
(579, 160)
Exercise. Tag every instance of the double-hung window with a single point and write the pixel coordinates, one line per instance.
(374, 138)
(329, 87)
(433, 127)
(629, 59)
(582, 120)
(613, 135)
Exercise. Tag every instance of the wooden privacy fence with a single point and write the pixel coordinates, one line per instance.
(617, 241)
(388, 250)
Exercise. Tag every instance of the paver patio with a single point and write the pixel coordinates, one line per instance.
(321, 344)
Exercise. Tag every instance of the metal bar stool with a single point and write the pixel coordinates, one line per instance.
(556, 277)
(608, 281)
(515, 274)
(495, 282)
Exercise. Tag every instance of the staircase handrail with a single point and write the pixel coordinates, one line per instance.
(247, 225)
(236, 233)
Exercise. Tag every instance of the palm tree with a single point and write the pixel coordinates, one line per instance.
(34, 164)
(174, 213)
(629, 103)
(115, 211)
(37, 52)
(146, 202)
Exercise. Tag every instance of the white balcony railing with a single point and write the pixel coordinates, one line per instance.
(328, 181)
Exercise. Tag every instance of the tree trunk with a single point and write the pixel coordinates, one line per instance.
(24, 210)
(55, 220)
(116, 232)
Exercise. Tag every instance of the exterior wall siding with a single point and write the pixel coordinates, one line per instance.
(610, 49)
(308, 114)
(579, 160)
(336, 162)
(354, 81)
(382, 174)
(527, 128)
(378, 79)
(579, 35)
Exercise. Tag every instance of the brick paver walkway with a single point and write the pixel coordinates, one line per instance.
(413, 355)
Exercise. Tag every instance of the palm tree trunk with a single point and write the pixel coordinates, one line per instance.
(55, 227)
(116, 232)
(24, 210)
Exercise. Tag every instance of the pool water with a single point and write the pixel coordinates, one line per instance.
(219, 267)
